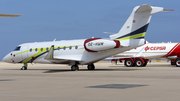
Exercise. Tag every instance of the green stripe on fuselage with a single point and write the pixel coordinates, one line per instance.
(132, 37)
(44, 50)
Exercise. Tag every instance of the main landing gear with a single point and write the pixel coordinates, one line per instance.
(74, 67)
(89, 67)
(24, 67)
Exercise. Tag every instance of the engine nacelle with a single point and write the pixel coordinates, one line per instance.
(98, 44)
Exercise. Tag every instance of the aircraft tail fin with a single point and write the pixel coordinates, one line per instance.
(136, 25)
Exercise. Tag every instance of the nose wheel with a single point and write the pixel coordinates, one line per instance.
(24, 67)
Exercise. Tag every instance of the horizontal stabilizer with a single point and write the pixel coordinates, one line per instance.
(147, 7)
(109, 33)
(144, 8)
(9, 15)
(168, 10)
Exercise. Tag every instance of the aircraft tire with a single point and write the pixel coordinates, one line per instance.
(74, 67)
(91, 67)
(177, 62)
(128, 63)
(24, 68)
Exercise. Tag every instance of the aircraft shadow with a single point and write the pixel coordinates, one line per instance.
(151, 65)
(162, 65)
(69, 70)
(7, 80)
(96, 70)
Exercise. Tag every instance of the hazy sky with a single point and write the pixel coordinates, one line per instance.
(45, 20)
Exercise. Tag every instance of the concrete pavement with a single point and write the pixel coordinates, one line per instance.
(46, 82)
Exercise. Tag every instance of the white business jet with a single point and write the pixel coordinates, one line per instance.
(87, 51)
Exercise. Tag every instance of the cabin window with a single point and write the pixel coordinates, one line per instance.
(47, 48)
(58, 48)
(17, 48)
(64, 47)
(41, 49)
(30, 50)
(70, 47)
(76, 47)
(36, 49)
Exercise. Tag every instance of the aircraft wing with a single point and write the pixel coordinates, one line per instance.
(139, 53)
(61, 59)
(68, 57)
(9, 15)
(130, 55)
(123, 55)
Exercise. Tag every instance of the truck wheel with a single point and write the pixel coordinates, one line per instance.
(128, 63)
(139, 63)
(177, 62)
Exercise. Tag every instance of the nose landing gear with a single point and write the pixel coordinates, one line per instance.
(24, 67)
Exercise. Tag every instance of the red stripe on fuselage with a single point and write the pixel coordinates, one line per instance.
(175, 51)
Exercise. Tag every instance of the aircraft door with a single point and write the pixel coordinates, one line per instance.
(24, 52)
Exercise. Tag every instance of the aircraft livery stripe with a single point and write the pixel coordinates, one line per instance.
(52, 52)
(169, 53)
(16, 54)
(40, 53)
(133, 37)
(140, 30)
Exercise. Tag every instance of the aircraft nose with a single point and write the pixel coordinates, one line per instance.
(7, 58)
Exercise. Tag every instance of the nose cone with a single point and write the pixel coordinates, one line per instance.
(7, 58)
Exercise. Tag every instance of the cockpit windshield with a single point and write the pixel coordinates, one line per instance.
(17, 48)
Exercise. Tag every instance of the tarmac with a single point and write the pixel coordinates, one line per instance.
(108, 82)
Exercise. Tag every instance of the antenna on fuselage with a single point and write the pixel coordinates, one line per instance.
(9, 15)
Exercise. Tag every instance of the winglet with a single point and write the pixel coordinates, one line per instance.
(50, 54)
(9, 15)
